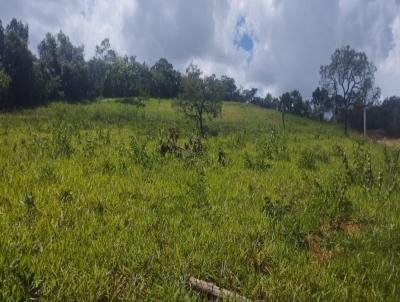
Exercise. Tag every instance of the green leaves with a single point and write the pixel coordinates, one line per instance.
(200, 96)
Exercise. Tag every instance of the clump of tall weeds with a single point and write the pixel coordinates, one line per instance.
(191, 148)
(61, 139)
(274, 146)
(358, 170)
(18, 282)
(139, 152)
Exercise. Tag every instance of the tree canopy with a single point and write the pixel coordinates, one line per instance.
(349, 76)
(200, 96)
(347, 89)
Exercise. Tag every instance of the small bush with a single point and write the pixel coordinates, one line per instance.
(18, 282)
(274, 146)
(273, 209)
(65, 196)
(62, 140)
(29, 200)
(257, 163)
(307, 159)
(139, 153)
(331, 200)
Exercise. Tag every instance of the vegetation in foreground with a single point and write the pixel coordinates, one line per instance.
(106, 201)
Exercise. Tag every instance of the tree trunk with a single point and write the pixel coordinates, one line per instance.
(334, 112)
(345, 122)
(201, 126)
(365, 121)
(283, 116)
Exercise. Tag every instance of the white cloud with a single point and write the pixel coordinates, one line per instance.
(291, 38)
(389, 69)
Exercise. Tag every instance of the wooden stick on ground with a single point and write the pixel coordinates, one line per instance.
(212, 289)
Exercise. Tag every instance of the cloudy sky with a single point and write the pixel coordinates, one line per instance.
(275, 45)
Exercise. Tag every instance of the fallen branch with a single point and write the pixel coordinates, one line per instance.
(213, 290)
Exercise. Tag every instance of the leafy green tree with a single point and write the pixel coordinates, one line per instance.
(387, 116)
(271, 102)
(1, 43)
(63, 67)
(50, 67)
(248, 95)
(116, 83)
(144, 79)
(345, 77)
(367, 96)
(105, 53)
(285, 104)
(166, 79)
(40, 83)
(200, 96)
(74, 71)
(229, 87)
(126, 78)
(18, 63)
(268, 102)
(5, 83)
(292, 102)
(99, 66)
(321, 102)
(297, 105)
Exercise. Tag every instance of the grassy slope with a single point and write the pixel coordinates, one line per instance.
(91, 208)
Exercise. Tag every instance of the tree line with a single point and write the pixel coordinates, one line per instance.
(346, 94)
(59, 71)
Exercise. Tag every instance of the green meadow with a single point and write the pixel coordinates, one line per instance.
(92, 208)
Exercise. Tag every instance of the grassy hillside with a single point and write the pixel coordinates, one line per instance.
(91, 210)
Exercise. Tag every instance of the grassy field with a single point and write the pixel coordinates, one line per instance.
(91, 210)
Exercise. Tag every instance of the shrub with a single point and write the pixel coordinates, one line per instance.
(61, 139)
(273, 209)
(307, 159)
(257, 163)
(18, 282)
(139, 153)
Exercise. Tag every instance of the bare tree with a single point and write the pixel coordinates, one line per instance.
(347, 77)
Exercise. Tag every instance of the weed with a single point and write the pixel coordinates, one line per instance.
(29, 201)
(61, 140)
(139, 153)
(273, 209)
(331, 200)
(65, 196)
(307, 159)
(274, 146)
(197, 188)
(222, 158)
(18, 283)
(48, 174)
(258, 163)
(108, 167)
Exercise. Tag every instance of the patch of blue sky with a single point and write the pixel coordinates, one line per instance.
(243, 38)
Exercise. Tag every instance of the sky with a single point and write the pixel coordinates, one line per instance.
(273, 45)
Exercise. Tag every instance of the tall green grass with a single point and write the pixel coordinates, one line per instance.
(91, 210)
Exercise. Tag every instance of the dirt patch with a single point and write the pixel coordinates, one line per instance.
(379, 137)
(349, 228)
(390, 142)
(316, 246)
(317, 241)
